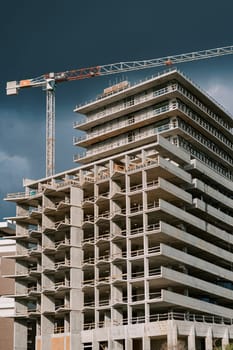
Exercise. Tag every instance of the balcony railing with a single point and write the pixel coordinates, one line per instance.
(105, 236)
(125, 141)
(202, 157)
(211, 319)
(194, 100)
(59, 329)
(61, 307)
(62, 263)
(89, 303)
(18, 195)
(139, 230)
(90, 240)
(155, 295)
(206, 142)
(137, 252)
(62, 284)
(34, 289)
(153, 205)
(35, 269)
(152, 250)
(137, 274)
(155, 272)
(104, 302)
(136, 208)
(89, 260)
(204, 124)
(136, 230)
(123, 106)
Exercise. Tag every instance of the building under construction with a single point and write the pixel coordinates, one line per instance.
(132, 250)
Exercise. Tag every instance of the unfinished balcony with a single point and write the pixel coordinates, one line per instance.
(118, 171)
(119, 214)
(35, 231)
(120, 279)
(88, 263)
(35, 251)
(88, 242)
(34, 313)
(21, 314)
(103, 260)
(119, 302)
(62, 265)
(34, 291)
(102, 217)
(89, 304)
(88, 202)
(88, 220)
(103, 280)
(88, 283)
(18, 197)
(102, 197)
(62, 308)
(119, 235)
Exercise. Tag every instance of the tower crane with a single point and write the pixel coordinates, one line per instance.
(49, 81)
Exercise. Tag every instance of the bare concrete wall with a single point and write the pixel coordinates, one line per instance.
(7, 267)
(6, 333)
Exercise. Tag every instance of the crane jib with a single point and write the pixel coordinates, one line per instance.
(47, 82)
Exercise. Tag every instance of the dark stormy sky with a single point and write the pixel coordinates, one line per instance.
(40, 36)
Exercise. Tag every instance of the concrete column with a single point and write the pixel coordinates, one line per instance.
(225, 339)
(145, 343)
(115, 345)
(20, 335)
(128, 343)
(172, 335)
(47, 329)
(191, 339)
(75, 276)
(209, 340)
(95, 345)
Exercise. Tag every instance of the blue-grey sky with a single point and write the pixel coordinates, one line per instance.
(56, 35)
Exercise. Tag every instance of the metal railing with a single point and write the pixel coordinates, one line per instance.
(186, 316)
(35, 289)
(123, 106)
(148, 162)
(62, 306)
(125, 141)
(22, 194)
(59, 329)
(194, 100)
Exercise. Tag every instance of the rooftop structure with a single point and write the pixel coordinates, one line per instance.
(132, 249)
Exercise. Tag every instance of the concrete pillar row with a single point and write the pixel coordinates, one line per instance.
(145, 343)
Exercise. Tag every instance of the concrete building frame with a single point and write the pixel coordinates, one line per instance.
(132, 249)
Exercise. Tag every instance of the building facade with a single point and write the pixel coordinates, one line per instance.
(133, 248)
(7, 266)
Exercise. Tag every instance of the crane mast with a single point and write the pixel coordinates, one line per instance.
(50, 127)
(49, 81)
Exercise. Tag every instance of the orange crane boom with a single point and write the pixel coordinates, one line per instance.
(49, 81)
